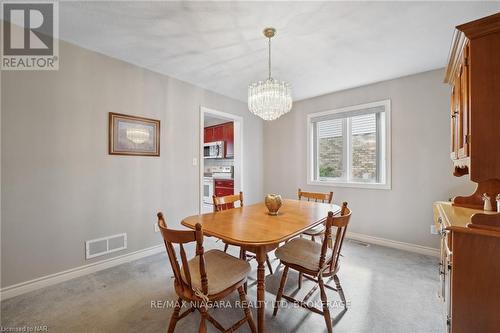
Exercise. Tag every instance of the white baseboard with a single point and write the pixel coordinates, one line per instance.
(429, 251)
(48, 280)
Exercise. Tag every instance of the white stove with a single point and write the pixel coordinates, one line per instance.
(222, 172)
(215, 172)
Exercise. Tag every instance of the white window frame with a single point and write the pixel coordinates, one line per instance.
(342, 182)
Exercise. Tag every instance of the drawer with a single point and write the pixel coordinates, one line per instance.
(224, 183)
(221, 192)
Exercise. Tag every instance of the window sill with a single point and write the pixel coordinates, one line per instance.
(352, 185)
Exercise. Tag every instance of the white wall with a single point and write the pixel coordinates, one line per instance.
(421, 168)
(59, 185)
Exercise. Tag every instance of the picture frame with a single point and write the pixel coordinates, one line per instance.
(133, 135)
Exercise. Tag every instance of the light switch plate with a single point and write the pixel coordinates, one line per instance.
(195, 161)
(156, 228)
(433, 229)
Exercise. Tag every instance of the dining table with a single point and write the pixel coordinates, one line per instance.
(254, 230)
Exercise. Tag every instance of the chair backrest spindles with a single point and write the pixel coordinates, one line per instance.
(316, 196)
(185, 265)
(227, 202)
(340, 222)
(181, 237)
(324, 246)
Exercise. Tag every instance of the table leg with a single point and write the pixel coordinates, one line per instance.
(261, 288)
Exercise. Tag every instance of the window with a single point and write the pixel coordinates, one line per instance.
(350, 146)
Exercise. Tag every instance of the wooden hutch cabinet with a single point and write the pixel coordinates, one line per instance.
(474, 75)
(470, 237)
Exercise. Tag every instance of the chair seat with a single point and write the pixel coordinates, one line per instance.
(301, 252)
(223, 271)
(314, 231)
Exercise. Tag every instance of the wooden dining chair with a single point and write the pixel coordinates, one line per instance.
(316, 197)
(315, 261)
(228, 202)
(208, 277)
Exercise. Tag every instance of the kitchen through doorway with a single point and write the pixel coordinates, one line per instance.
(220, 156)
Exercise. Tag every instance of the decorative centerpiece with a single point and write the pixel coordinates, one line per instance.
(273, 203)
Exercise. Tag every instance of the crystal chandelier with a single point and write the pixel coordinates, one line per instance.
(269, 99)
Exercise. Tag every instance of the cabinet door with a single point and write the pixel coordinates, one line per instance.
(459, 112)
(464, 110)
(454, 111)
(224, 183)
(229, 139)
(208, 134)
(219, 133)
(222, 192)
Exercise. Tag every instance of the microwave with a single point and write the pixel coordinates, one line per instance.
(214, 149)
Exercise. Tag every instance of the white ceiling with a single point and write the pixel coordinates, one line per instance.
(210, 120)
(320, 47)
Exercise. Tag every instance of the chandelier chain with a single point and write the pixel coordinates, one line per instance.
(269, 57)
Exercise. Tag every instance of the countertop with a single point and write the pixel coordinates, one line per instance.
(454, 215)
(219, 178)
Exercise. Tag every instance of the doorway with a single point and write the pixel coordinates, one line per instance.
(221, 156)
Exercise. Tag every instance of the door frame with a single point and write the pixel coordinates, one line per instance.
(238, 149)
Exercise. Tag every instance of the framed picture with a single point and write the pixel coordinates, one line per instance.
(130, 135)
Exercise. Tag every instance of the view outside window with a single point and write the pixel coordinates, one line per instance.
(349, 146)
(330, 148)
(347, 149)
(364, 148)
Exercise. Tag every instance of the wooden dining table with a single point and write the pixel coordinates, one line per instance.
(254, 230)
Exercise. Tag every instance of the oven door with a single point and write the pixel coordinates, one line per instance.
(208, 190)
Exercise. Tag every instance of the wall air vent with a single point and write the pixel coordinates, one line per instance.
(101, 246)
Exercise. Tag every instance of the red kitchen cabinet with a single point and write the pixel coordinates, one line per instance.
(219, 133)
(224, 187)
(222, 192)
(208, 134)
(229, 183)
(229, 138)
(222, 132)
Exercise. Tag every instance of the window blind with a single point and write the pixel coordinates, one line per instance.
(348, 114)
(330, 128)
(364, 124)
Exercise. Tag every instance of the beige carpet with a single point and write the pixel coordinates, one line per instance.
(388, 290)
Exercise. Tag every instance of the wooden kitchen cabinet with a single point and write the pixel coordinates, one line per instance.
(229, 138)
(208, 135)
(219, 133)
(223, 187)
(229, 183)
(222, 192)
(223, 132)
